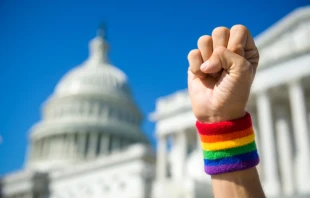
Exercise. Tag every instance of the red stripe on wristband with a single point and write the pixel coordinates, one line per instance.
(224, 127)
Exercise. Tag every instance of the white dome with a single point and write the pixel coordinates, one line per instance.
(91, 112)
(103, 78)
(95, 75)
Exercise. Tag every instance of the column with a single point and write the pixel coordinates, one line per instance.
(116, 143)
(285, 150)
(96, 107)
(92, 146)
(256, 131)
(124, 142)
(271, 180)
(300, 126)
(161, 169)
(198, 140)
(71, 150)
(60, 144)
(38, 148)
(257, 141)
(180, 154)
(104, 144)
(51, 146)
(81, 144)
(54, 146)
(28, 195)
(65, 145)
(46, 147)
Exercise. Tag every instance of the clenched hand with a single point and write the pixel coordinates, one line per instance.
(221, 73)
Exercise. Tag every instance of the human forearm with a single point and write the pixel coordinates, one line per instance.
(230, 156)
(240, 184)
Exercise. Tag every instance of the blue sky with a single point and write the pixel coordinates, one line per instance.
(149, 41)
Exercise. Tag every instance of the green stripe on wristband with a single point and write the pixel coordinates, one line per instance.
(212, 155)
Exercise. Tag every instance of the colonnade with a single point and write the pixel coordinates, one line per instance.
(79, 145)
(282, 131)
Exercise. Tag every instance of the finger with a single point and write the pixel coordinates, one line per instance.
(240, 40)
(242, 43)
(195, 61)
(213, 67)
(205, 45)
(220, 37)
(233, 63)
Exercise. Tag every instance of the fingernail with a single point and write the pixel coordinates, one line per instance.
(204, 65)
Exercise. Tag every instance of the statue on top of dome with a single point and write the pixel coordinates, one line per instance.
(99, 47)
(102, 31)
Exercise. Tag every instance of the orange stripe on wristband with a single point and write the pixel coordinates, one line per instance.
(228, 144)
(229, 136)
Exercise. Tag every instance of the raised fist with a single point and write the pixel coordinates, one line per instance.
(221, 73)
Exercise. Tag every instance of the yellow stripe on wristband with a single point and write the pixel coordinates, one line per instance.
(228, 144)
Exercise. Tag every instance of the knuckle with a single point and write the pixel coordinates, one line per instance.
(220, 50)
(220, 31)
(204, 40)
(246, 66)
(195, 70)
(237, 48)
(257, 54)
(197, 73)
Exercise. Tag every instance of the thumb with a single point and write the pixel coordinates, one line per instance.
(234, 64)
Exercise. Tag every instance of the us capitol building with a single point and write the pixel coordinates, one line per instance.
(89, 142)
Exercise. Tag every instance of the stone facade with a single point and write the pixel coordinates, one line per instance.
(125, 174)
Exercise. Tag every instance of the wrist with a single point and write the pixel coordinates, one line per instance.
(223, 117)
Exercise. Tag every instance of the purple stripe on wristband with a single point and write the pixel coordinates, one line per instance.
(213, 170)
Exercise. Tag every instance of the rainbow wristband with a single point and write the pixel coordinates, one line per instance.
(228, 146)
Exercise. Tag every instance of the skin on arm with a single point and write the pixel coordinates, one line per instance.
(238, 184)
(220, 76)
